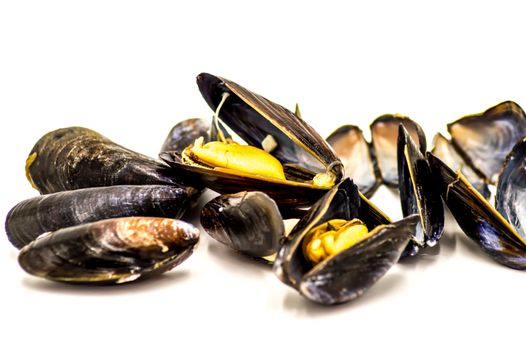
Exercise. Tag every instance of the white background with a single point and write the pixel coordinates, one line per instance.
(127, 69)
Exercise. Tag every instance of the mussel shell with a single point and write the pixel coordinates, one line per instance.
(384, 138)
(249, 222)
(287, 194)
(418, 193)
(444, 149)
(510, 199)
(110, 251)
(32, 217)
(75, 157)
(348, 274)
(477, 218)
(485, 139)
(253, 118)
(350, 146)
(185, 133)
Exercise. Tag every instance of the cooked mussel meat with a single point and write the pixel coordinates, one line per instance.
(444, 149)
(384, 136)
(350, 146)
(32, 217)
(110, 251)
(284, 156)
(418, 193)
(485, 139)
(499, 234)
(335, 253)
(75, 157)
(249, 222)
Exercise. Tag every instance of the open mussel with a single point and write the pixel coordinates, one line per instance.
(444, 149)
(185, 133)
(335, 252)
(249, 222)
(110, 251)
(354, 151)
(418, 193)
(75, 157)
(384, 138)
(498, 232)
(32, 217)
(484, 140)
(284, 158)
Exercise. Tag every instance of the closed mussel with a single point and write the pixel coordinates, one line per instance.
(498, 232)
(249, 222)
(185, 133)
(335, 252)
(284, 156)
(32, 217)
(75, 157)
(110, 251)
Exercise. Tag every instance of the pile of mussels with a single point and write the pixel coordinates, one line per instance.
(109, 215)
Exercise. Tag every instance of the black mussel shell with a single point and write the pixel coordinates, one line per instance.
(348, 274)
(110, 251)
(32, 217)
(418, 193)
(185, 133)
(253, 117)
(510, 200)
(444, 149)
(485, 139)
(301, 151)
(384, 138)
(249, 222)
(354, 151)
(478, 219)
(75, 157)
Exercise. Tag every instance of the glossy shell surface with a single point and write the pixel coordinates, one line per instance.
(110, 251)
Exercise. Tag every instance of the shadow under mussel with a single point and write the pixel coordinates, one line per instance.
(35, 216)
(284, 156)
(499, 232)
(111, 251)
(339, 249)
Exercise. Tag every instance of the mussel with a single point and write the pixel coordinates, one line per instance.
(335, 252)
(500, 232)
(418, 193)
(75, 157)
(284, 158)
(186, 132)
(384, 138)
(32, 217)
(249, 222)
(484, 140)
(354, 151)
(110, 251)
